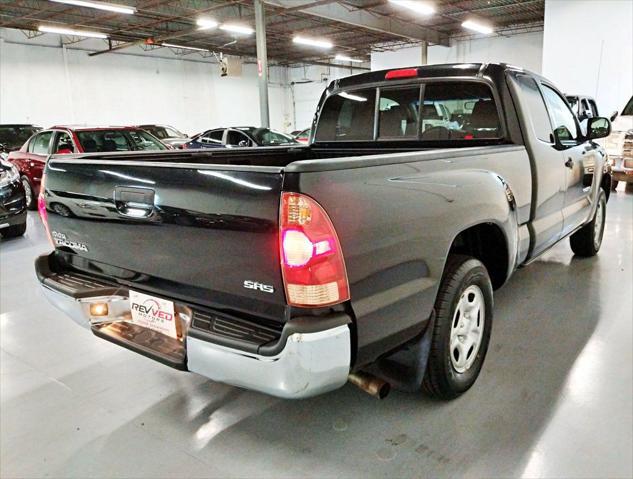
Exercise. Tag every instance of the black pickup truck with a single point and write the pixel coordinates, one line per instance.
(369, 255)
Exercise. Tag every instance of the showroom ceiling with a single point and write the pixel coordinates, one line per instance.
(354, 27)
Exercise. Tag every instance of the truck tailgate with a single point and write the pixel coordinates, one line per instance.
(204, 233)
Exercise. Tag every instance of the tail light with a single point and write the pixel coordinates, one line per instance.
(41, 209)
(312, 262)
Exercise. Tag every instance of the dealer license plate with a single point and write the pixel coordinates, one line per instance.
(153, 313)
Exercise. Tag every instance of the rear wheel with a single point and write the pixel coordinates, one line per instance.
(463, 322)
(14, 231)
(31, 202)
(586, 241)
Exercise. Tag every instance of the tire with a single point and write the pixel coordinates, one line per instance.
(450, 373)
(14, 231)
(31, 200)
(614, 185)
(586, 241)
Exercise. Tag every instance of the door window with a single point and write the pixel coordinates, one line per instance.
(63, 143)
(212, 136)
(536, 108)
(236, 138)
(564, 121)
(39, 145)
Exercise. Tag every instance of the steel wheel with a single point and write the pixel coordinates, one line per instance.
(28, 191)
(467, 328)
(598, 228)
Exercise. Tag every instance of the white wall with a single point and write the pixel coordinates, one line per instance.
(588, 49)
(44, 84)
(525, 50)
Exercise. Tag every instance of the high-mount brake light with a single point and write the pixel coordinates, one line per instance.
(312, 263)
(403, 73)
(41, 209)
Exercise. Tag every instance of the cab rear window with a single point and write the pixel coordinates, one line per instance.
(442, 111)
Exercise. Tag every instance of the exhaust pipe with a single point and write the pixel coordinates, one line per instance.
(370, 384)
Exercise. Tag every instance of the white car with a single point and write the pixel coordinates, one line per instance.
(619, 146)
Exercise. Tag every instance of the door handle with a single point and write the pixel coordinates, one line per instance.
(569, 163)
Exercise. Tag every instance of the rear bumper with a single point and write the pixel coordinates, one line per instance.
(312, 356)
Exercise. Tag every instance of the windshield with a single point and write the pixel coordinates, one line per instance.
(267, 137)
(628, 109)
(117, 140)
(16, 135)
(162, 132)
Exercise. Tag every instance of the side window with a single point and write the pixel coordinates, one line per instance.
(63, 143)
(398, 112)
(459, 111)
(235, 138)
(564, 120)
(536, 108)
(348, 116)
(39, 145)
(213, 136)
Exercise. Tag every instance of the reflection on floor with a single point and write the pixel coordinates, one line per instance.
(554, 398)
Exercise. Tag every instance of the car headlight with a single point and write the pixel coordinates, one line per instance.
(8, 174)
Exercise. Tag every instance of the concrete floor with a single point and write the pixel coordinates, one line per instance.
(554, 398)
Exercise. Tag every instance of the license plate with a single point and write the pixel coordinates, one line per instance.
(153, 313)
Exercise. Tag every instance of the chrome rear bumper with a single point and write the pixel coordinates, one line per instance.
(310, 361)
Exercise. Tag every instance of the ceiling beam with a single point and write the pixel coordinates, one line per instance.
(364, 19)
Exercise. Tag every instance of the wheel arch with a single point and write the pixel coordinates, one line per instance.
(488, 243)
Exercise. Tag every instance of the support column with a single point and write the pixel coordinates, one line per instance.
(262, 62)
(424, 53)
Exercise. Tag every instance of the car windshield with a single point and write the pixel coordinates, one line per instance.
(117, 140)
(162, 132)
(267, 137)
(628, 109)
(15, 135)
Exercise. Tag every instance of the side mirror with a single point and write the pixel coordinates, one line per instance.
(598, 127)
(560, 134)
(243, 143)
(614, 115)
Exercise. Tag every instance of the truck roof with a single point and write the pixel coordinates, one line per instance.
(429, 71)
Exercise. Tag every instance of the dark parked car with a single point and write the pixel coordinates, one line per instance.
(167, 134)
(64, 140)
(13, 137)
(377, 247)
(12, 201)
(242, 137)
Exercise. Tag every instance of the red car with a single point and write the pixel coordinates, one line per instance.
(61, 140)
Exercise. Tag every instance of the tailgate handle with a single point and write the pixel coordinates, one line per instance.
(134, 202)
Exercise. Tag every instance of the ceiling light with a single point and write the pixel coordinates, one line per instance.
(422, 8)
(110, 7)
(206, 23)
(183, 47)
(237, 29)
(312, 42)
(69, 31)
(345, 58)
(478, 27)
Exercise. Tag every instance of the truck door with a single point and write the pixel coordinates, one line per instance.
(547, 164)
(578, 157)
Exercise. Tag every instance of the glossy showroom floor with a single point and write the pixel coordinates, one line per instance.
(554, 399)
